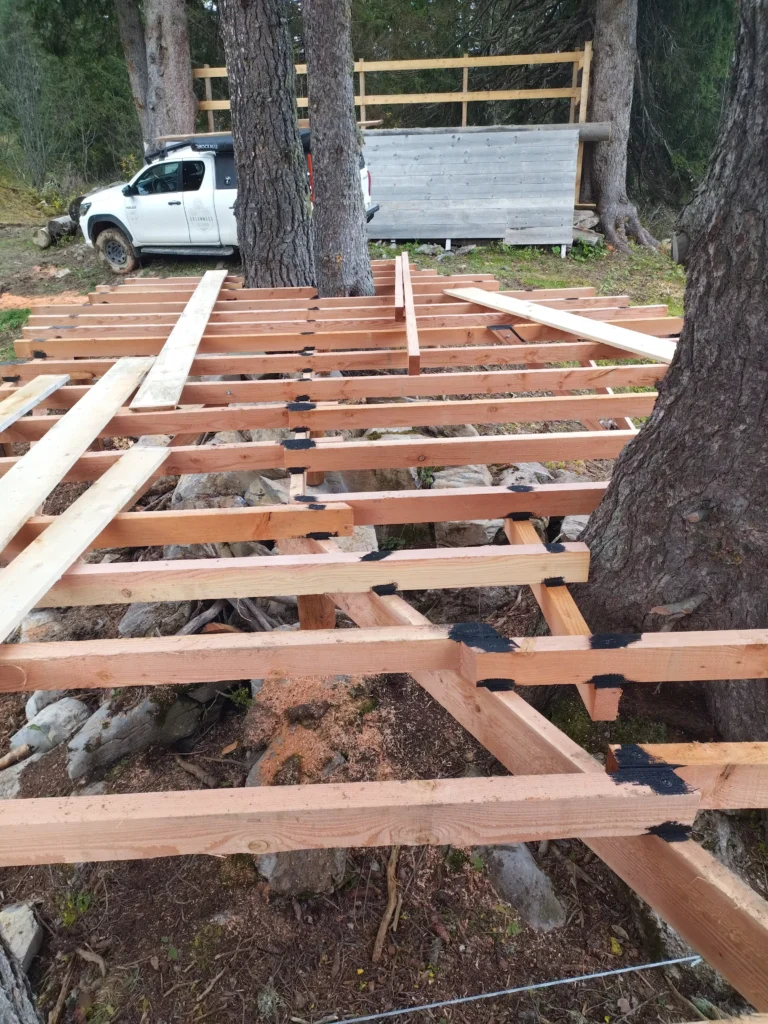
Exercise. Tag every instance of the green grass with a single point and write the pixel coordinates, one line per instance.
(11, 322)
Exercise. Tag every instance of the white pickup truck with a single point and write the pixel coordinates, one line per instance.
(182, 203)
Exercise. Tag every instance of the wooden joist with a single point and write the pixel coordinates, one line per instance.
(722, 772)
(333, 417)
(21, 400)
(463, 812)
(331, 454)
(163, 384)
(42, 562)
(31, 478)
(660, 351)
(712, 909)
(411, 330)
(202, 579)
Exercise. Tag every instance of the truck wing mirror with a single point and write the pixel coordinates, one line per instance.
(130, 190)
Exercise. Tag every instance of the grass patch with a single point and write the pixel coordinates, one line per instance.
(11, 322)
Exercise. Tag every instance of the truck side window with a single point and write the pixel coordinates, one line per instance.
(192, 173)
(159, 179)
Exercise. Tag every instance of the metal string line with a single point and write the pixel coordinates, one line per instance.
(692, 960)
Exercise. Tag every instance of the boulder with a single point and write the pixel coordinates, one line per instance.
(518, 880)
(52, 726)
(526, 474)
(43, 626)
(160, 618)
(382, 478)
(10, 778)
(467, 533)
(303, 872)
(20, 929)
(428, 249)
(572, 527)
(41, 699)
(274, 435)
(111, 734)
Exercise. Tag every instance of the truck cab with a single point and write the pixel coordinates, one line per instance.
(181, 203)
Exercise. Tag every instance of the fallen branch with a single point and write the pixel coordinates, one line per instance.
(200, 773)
(15, 755)
(378, 946)
(202, 619)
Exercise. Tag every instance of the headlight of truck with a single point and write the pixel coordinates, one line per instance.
(84, 208)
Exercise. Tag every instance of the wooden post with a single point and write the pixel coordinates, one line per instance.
(583, 102)
(209, 96)
(464, 89)
(361, 73)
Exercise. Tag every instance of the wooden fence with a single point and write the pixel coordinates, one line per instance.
(577, 93)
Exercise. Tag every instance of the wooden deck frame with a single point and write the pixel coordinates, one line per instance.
(710, 908)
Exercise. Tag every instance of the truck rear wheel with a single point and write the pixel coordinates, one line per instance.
(116, 251)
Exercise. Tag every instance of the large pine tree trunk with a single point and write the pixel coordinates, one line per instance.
(685, 518)
(613, 76)
(341, 244)
(131, 31)
(273, 206)
(16, 1003)
(171, 104)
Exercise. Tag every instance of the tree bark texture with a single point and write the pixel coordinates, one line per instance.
(171, 104)
(131, 31)
(684, 522)
(273, 208)
(341, 244)
(613, 76)
(16, 1003)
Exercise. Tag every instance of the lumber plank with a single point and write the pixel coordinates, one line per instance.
(330, 454)
(31, 574)
(563, 617)
(22, 399)
(202, 579)
(721, 772)
(713, 910)
(398, 295)
(332, 417)
(162, 386)
(266, 819)
(411, 330)
(659, 350)
(30, 479)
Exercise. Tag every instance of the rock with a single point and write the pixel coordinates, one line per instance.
(308, 715)
(382, 478)
(64, 272)
(192, 486)
(110, 734)
(527, 474)
(587, 237)
(10, 778)
(333, 764)
(153, 441)
(161, 618)
(572, 527)
(518, 879)
(21, 931)
(95, 789)
(41, 699)
(454, 430)
(259, 725)
(52, 726)
(585, 219)
(363, 538)
(303, 872)
(473, 531)
(253, 778)
(429, 250)
(43, 626)
(266, 491)
(463, 250)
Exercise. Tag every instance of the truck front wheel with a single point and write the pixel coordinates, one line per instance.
(116, 251)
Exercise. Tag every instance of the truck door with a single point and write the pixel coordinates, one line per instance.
(155, 213)
(197, 185)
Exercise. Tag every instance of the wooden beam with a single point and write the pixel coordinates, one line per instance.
(660, 351)
(399, 295)
(163, 384)
(331, 454)
(726, 774)
(29, 481)
(332, 417)
(202, 579)
(39, 566)
(22, 399)
(411, 330)
(712, 909)
(267, 819)
(563, 617)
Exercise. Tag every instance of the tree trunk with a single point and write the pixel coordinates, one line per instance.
(171, 104)
(16, 1003)
(613, 79)
(134, 48)
(341, 243)
(685, 518)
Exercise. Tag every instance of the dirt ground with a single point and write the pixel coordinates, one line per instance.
(202, 938)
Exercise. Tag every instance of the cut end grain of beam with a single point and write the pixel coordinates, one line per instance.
(163, 385)
(581, 327)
